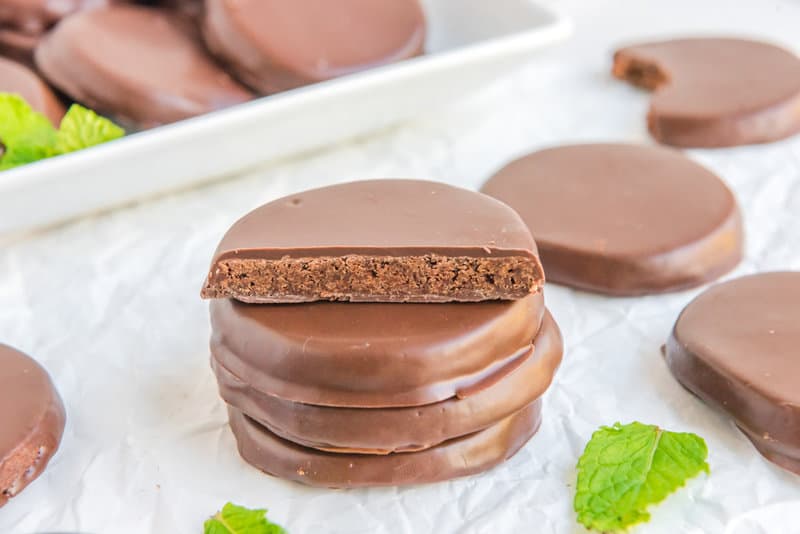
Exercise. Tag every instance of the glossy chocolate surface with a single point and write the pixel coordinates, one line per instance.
(455, 458)
(403, 429)
(713, 92)
(736, 347)
(372, 355)
(274, 45)
(623, 219)
(142, 65)
(385, 217)
(31, 421)
(423, 224)
(17, 78)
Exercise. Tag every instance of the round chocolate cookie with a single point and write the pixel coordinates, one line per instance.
(402, 429)
(455, 458)
(373, 355)
(623, 219)
(735, 347)
(143, 65)
(274, 45)
(750, 95)
(17, 78)
(31, 421)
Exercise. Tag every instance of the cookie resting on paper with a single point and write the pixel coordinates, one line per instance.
(715, 92)
(31, 421)
(735, 347)
(623, 219)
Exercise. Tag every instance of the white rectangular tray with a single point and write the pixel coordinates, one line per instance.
(470, 43)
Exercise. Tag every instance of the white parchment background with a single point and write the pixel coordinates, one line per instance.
(110, 306)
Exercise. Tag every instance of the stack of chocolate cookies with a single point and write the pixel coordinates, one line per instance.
(381, 333)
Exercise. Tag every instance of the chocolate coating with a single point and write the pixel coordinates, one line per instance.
(372, 355)
(142, 65)
(735, 347)
(274, 45)
(377, 240)
(31, 421)
(17, 78)
(623, 219)
(751, 95)
(455, 458)
(35, 16)
(402, 429)
(18, 46)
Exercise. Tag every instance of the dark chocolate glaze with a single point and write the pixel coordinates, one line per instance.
(623, 219)
(455, 458)
(736, 347)
(17, 78)
(715, 92)
(274, 45)
(404, 429)
(372, 355)
(389, 218)
(144, 65)
(31, 421)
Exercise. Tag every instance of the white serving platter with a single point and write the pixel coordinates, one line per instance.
(470, 43)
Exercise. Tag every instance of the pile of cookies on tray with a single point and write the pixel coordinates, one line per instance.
(381, 332)
(150, 62)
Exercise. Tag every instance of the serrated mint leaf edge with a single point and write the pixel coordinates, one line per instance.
(638, 513)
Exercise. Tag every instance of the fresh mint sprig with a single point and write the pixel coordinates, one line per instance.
(626, 468)
(27, 136)
(233, 519)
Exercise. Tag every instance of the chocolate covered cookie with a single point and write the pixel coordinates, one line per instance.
(274, 45)
(373, 355)
(623, 219)
(31, 421)
(715, 92)
(735, 347)
(455, 458)
(401, 429)
(19, 79)
(142, 65)
(377, 241)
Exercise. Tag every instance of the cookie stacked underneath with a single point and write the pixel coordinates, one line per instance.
(380, 333)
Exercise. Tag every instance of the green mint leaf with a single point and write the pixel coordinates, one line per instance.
(626, 468)
(82, 128)
(26, 135)
(234, 519)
